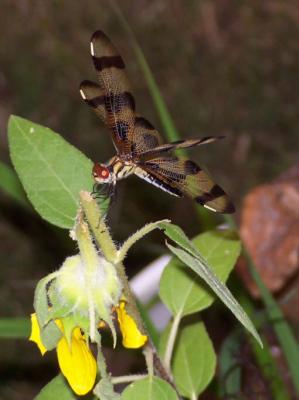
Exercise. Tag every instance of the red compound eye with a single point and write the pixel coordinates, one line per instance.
(100, 171)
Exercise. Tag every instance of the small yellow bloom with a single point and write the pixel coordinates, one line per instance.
(77, 363)
(35, 334)
(132, 337)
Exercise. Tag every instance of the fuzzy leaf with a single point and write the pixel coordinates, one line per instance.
(182, 290)
(50, 333)
(202, 269)
(177, 234)
(51, 170)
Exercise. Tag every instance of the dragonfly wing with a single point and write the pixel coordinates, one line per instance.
(145, 137)
(111, 99)
(113, 102)
(180, 144)
(187, 178)
(94, 96)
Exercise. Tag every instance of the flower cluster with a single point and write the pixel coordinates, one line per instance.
(71, 305)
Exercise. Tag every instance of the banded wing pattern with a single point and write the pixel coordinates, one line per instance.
(138, 144)
(145, 138)
(113, 101)
(181, 177)
(94, 96)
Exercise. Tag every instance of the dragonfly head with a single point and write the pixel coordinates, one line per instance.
(101, 173)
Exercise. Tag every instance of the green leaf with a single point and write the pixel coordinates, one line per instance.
(202, 269)
(50, 333)
(151, 388)
(10, 183)
(14, 328)
(41, 305)
(177, 234)
(51, 170)
(194, 360)
(57, 388)
(182, 290)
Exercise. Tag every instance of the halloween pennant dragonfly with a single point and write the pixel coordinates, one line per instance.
(138, 144)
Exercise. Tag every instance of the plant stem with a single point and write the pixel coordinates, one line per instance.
(149, 359)
(90, 261)
(109, 250)
(127, 378)
(171, 340)
(137, 236)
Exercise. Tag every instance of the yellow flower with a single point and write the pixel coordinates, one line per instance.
(76, 361)
(35, 334)
(132, 337)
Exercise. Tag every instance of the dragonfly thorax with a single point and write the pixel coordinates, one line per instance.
(121, 168)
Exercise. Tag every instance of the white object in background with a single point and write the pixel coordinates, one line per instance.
(145, 286)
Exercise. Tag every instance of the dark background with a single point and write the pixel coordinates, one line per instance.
(224, 67)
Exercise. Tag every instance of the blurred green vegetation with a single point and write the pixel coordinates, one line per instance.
(224, 67)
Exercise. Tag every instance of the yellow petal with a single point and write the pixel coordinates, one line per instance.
(132, 337)
(59, 323)
(77, 363)
(35, 334)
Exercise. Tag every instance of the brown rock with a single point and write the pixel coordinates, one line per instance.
(270, 231)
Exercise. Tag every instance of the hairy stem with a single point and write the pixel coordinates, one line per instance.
(127, 378)
(109, 250)
(137, 236)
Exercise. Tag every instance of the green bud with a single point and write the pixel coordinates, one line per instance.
(77, 286)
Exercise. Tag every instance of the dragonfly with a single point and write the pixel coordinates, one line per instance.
(139, 147)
